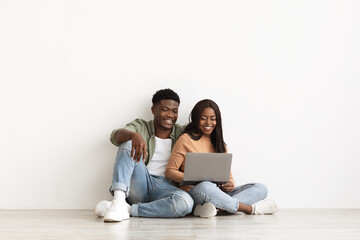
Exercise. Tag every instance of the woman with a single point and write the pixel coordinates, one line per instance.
(204, 134)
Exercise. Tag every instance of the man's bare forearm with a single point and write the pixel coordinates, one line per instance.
(123, 135)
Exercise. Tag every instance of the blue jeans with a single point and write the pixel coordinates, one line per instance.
(150, 195)
(228, 201)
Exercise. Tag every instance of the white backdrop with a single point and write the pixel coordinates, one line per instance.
(284, 73)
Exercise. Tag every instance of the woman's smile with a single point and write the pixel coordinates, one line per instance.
(207, 121)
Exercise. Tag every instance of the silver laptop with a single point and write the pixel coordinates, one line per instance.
(213, 167)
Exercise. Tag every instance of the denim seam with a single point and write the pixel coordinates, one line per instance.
(120, 186)
(207, 199)
(181, 214)
(135, 210)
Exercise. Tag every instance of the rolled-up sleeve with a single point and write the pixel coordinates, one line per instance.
(132, 126)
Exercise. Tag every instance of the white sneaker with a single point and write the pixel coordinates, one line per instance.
(117, 212)
(102, 207)
(266, 206)
(204, 211)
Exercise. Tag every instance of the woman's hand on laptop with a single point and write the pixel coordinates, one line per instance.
(227, 187)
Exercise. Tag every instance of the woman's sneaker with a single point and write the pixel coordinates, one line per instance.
(266, 206)
(204, 211)
(102, 207)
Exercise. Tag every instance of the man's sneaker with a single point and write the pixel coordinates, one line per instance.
(266, 206)
(102, 207)
(117, 212)
(204, 211)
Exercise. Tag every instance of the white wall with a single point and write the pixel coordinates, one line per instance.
(284, 73)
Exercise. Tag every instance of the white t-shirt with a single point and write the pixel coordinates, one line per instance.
(161, 156)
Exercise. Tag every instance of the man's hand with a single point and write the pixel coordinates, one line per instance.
(138, 147)
(186, 188)
(227, 187)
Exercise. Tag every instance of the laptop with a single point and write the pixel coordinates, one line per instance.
(213, 167)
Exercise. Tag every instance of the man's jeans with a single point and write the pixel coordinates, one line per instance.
(229, 201)
(150, 195)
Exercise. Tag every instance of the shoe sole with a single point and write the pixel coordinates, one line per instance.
(110, 218)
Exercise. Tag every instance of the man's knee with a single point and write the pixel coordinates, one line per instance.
(124, 151)
(183, 203)
(126, 145)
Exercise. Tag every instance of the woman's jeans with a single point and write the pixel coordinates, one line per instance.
(228, 201)
(150, 195)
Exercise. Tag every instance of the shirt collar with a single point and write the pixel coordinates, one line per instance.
(152, 129)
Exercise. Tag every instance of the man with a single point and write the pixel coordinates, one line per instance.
(144, 151)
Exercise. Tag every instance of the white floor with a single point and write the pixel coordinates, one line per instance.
(289, 224)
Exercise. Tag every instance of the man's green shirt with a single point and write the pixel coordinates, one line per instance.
(147, 131)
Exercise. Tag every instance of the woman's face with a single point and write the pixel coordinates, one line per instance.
(207, 121)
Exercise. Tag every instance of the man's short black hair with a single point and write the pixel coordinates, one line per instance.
(166, 93)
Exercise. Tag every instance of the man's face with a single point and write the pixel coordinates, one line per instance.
(165, 113)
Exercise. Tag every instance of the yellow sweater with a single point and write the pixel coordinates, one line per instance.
(175, 168)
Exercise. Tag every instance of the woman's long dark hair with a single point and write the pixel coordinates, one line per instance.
(194, 131)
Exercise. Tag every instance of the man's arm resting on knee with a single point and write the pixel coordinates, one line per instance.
(123, 135)
(138, 147)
